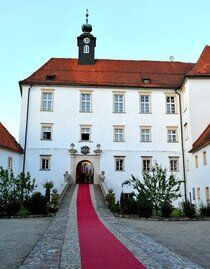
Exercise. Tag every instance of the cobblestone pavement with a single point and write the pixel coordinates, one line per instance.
(59, 246)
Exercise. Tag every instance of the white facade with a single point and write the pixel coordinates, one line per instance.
(10, 160)
(198, 173)
(66, 120)
(195, 108)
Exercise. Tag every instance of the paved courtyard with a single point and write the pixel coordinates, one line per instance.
(190, 239)
(18, 237)
(58, 248)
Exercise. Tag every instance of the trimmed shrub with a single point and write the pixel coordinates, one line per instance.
(145, 206)
(189, 209)
(131, 206)
(23, 212)
(166, 209)
(37, 204)
(115, 208)
(110, 199)
(204, 210)
(54, 203)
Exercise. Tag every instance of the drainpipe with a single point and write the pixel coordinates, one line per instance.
(182, 145)
(26, 129)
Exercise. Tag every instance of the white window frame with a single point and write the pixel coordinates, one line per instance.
(45, 162)
(10, 162)
(119, 133)
(44, 132)
(86, 102)
(204, 157)
(144, 105)
(119, 102)
(119, 163)
(46, 102)
(174, 164)
(85, 129)
(86, 49)
(146, 164)
(172, 134)
(170, 104)
(145, 134)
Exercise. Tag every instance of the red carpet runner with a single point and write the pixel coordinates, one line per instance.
(99, 248)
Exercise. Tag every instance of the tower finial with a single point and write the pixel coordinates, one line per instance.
(87, 16)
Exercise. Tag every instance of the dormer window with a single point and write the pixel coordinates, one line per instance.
(50, 77)
(146, 80)
(86, 49)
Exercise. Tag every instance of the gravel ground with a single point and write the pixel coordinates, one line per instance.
(190, 239)
(18, 237)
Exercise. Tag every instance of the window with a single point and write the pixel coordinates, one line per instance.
(45, 162)
(86, 49)
(186, 131)
(188, 165)
(119, 163)
(145, 104)
(193, 192)
(170, 104)
(207, 194)
(146, 164)
(204, 158)
(85, 102)
(119, 134)
(9, 162)
(198, 193)
(174, 164)
(47, 101)
(85, 133)
(46, 132)
(118, 103)
(145, 134)
(172, 134)
(196, 161)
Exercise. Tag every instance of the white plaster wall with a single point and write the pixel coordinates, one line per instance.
(199, 177)
(199, 96)
(16, 160)
(66, 120)
(196, 115)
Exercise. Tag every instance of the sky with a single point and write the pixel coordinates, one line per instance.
(33, 31)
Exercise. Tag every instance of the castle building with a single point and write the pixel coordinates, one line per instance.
(89, 115)
(10, 151)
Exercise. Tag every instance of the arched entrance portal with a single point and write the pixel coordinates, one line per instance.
(84, 172)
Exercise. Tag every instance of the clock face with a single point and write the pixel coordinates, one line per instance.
(86, 40)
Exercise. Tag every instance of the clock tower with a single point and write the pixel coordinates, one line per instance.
(86, 43)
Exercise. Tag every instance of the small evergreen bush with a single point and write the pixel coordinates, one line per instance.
(166, 209)
(204, 210)
(110, 199)
(37, 204)
(145, 206)
(131, 206)
(189, 209)
(23, 212)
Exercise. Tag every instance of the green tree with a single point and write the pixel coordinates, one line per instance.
(157, 186)
(7, 189)
(24, 187)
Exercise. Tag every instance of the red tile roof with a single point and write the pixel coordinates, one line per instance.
(202, 141)
(202, 67)
(118, 73)
(7, 141)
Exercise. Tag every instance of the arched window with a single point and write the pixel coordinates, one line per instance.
(86, 49)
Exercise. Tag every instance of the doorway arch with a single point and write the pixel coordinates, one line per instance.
(84, 172)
